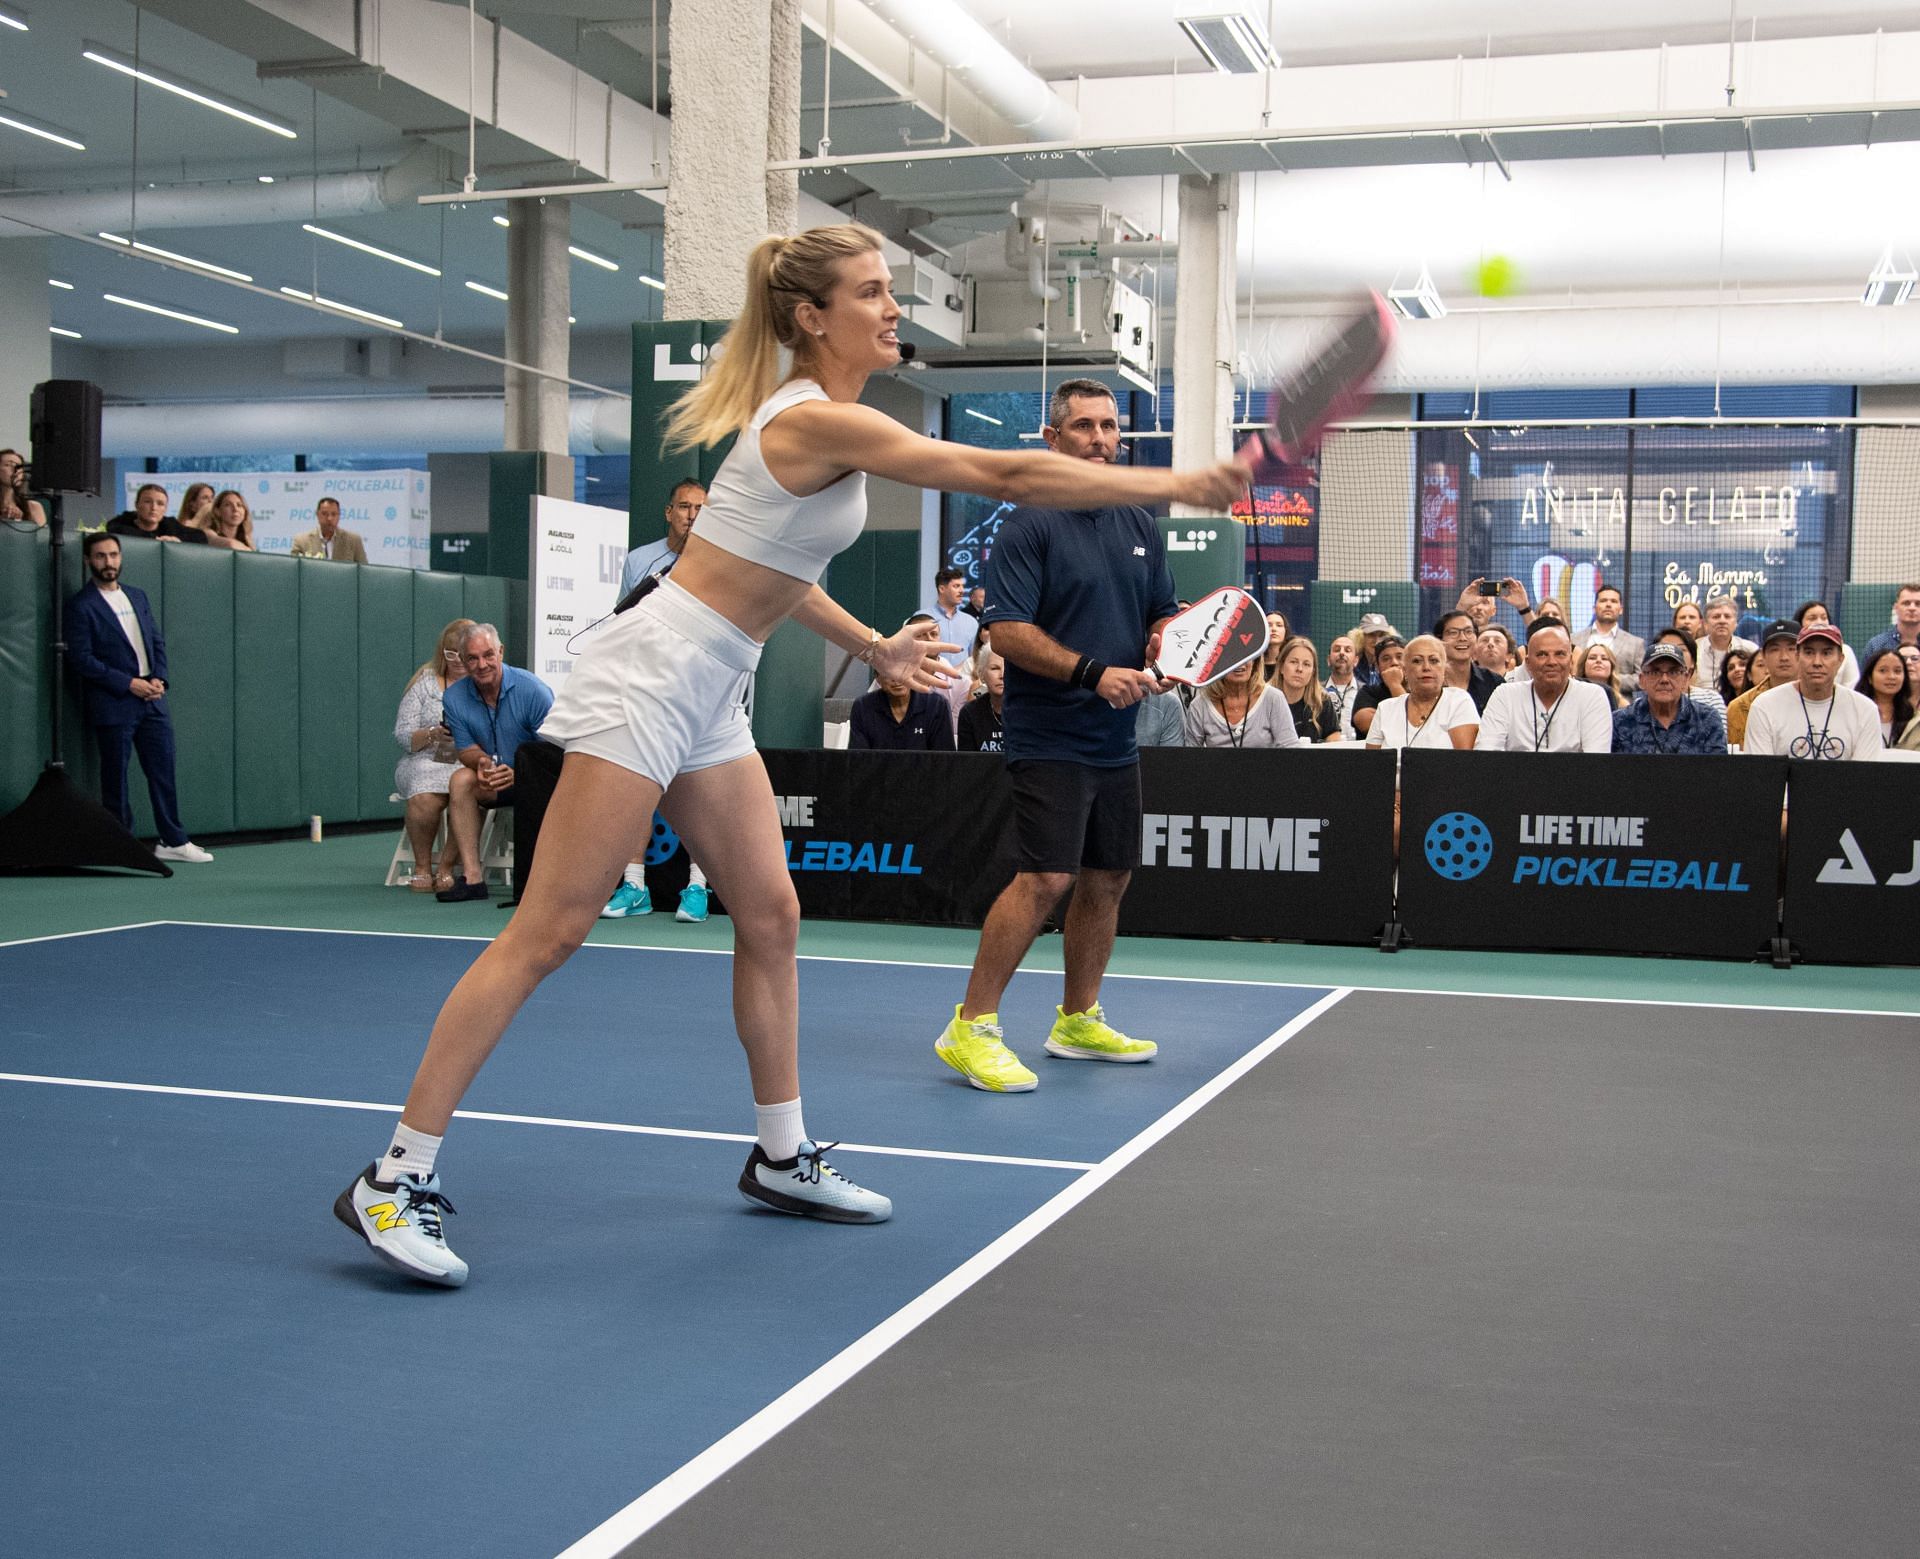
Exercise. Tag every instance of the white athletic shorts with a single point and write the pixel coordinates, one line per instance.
(661, 690)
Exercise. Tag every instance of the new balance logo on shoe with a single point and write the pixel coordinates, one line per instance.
(386, 1216)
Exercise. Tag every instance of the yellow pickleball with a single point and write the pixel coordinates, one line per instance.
(1496, 277)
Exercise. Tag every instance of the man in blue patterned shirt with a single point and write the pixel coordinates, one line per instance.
(1661, 717)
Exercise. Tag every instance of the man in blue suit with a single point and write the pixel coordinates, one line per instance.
(115, 645)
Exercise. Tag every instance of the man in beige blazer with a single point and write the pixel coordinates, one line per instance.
(328, 540)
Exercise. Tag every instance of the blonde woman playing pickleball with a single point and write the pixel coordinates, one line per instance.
(651, 715)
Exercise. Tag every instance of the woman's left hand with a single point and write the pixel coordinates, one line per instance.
(913, 656)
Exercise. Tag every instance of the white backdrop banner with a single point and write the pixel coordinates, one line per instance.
(578, 551)
(387, 510)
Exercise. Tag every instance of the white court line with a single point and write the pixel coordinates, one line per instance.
(533, 1120)
(61, 936)
(671, 1492)
(1183, 979)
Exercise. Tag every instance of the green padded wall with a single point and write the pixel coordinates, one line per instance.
(200, 667)
(1204, 555)
(266, 691)
(878, 578)
(491, 601)
(664, 365)
(24, 615)
(1866, 612)
(437, 600)
(386, 660)
(789, 690)
(329, 689)
(1339, 604)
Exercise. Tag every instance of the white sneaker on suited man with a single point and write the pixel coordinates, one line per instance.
(186, 850)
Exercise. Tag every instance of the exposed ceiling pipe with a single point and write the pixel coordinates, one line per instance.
(961, 45)
(332, 195)
(596, 425)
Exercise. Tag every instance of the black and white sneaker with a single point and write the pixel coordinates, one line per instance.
(807, 1186)
(400, 1219)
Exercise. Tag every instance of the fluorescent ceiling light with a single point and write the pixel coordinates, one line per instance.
(1229, 40)
(593, 259)
(17, 121)
(378, 253)
(1420, 301)
(71, 335)
(501, 222)
(344, 308)
(154, 308)
(653, 281)
(64, 286)
(170, 254)
(1888, 286)
(264, 178)
(179, 88)
(983, 416)
(12, 18)
(491, 292)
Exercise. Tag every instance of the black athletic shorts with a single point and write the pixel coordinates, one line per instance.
(1070, 815)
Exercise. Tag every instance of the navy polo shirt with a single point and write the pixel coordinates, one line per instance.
(515, 718)
(1093, 580)
(927, 725)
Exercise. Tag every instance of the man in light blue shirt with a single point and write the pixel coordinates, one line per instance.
(490, 711)
(955, 625)
(684, 504)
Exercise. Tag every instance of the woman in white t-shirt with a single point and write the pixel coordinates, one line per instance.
(1429, 713)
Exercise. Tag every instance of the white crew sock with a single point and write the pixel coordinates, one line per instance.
(780, 1129)
(696, 878)
(412, 1153)
(636, 875)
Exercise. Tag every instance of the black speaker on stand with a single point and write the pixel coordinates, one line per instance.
(56, 828)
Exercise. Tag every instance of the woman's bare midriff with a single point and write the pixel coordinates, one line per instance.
(754, 598)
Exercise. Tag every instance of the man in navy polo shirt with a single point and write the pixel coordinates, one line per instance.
(1075, 600)
(491, 711)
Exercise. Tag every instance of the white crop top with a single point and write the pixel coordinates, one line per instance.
(752, 516)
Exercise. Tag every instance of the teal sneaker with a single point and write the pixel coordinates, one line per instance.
(627, 901)
(1087, 1036)
(693, 904)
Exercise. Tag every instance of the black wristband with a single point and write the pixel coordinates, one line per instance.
(1095, 670)
(1079, 670)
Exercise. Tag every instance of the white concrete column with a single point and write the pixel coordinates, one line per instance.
(26, 347)
(736, 102)
(1203, 345)
(783, 114)
(539, 285)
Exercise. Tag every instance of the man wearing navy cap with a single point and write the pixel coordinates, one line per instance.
(1661, 718)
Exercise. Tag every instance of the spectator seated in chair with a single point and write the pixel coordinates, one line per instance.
(1661, 718)
(1711, 651)
(1549, 712)
(1240, 710)
(1390, 660)
(149, 518)
(230, 522)
(1775, 664)
(982, 722)
(1596, 664)
(1342, 687)
(1314, 716)
(1495, 652)
(1459, 634)
(1431, 713)
(328, 540)
(1905, 632)
(17, 507)
(1885, 682)
(893, 717)
(491, 712)
(1812, 717)
(424, 776)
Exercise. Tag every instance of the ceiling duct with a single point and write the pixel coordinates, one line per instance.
(957, 43)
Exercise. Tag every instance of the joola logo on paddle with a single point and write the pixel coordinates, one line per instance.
(1241, 844)
(1850, 868)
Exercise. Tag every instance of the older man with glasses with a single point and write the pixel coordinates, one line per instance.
(1661, 718)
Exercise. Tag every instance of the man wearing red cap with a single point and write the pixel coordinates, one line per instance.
(1810, 717)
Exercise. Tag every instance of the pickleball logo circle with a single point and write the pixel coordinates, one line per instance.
(1459, 848)
(663, 843)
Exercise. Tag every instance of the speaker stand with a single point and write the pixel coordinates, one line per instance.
(57, 829)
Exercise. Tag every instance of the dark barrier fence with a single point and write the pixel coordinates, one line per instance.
(1853, 863)
(1519, 852)
(1566, 851)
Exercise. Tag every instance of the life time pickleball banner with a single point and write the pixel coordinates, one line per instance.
(1283, 844)
(1853, 862)
(1600, 852)
(390, 511)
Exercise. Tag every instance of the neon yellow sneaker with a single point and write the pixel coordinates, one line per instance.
(975, 1049)
(1086, 1036)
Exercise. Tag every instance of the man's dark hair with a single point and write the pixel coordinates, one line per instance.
(1439, 629)
(1063, 397)
(1604, 589)
(324, 502)
(1677, 636)
(1907, 590)
(148, 487)
(91, 539)
(947, 576)
(682, 485)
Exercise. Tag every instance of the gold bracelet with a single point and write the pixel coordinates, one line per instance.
(872, 644)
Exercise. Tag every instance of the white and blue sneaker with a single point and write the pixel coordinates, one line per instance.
(400, 1219)
(627, 900)
(693, 904)
(807, 1186)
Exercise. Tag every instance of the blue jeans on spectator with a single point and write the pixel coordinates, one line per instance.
(151, 736)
